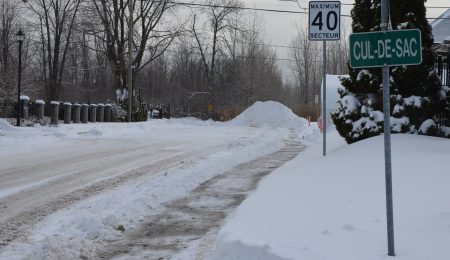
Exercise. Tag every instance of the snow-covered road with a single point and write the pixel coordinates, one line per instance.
(81, 191)
(36, 184)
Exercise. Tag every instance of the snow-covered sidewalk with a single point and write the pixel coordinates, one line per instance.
(334, 208)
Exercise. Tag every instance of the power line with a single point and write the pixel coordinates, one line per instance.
(352, 4)
(275, 45)
(244, 57)
(290, 47)
(239, 8)
(238, 56)
(272, 10)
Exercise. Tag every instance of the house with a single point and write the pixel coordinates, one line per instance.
(333, 84)
(441, 47)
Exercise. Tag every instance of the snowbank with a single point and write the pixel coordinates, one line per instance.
(334, 207)
(6, 126)
(18, 140)
(269, 114)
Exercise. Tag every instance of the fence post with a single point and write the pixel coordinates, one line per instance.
(76, 113)
(2, 107)
(100, 112)
(7, 108)
(67, 113)
(93, 113)
(61, 111)
(40, 109)
(24, 106)
(168, 111)
(84, 113)
(108, 113)
(447, 69)
(54, 112)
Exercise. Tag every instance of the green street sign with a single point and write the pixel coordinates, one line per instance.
(391, 48)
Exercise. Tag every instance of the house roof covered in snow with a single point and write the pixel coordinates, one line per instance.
(441, 27)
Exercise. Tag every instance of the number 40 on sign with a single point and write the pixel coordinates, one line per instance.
(324, 20)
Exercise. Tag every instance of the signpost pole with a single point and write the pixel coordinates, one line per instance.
(384, 49)
(324, 99)
(324, 25)
(387, 139)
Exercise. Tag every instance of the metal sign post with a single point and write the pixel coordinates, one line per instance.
(387, 137)
(384, 49)
(324, 25)
(324, 99)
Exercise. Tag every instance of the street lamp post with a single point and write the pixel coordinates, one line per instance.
(130, 60)
(20, 38)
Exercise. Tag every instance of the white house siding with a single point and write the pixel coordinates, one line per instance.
(441, 28)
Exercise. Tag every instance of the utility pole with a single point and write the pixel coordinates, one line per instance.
(387, 137)
(130, 59)
(85, 68)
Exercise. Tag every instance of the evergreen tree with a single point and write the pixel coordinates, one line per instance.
(417, 97)
(139, 110)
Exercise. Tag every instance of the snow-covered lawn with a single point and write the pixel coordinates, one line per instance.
(333, 208)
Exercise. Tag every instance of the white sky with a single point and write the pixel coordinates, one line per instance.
(280, 28)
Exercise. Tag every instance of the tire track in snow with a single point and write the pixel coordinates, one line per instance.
(197, 217)
(41, 184)
(19, 168)
(18, 225)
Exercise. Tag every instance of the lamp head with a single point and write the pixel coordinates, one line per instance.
(20, 36)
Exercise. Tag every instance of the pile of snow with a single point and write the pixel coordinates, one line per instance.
(269, 114)
(26, 98)
(334, 207)
(5, 126)
(312, 135)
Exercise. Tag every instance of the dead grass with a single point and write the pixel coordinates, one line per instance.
(305, 110)
(230, 112)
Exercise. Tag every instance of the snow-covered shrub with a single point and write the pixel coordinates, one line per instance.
(428, 127)
(139, 112)
(118, 113)
(445, 131)
(417, 95)
(356, 120)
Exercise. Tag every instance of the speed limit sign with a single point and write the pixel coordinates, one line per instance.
(324, 20)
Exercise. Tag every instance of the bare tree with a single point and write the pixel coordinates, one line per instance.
(8, 24)
(80, 50)
(252, 39)
(337, 60)
(55, 22)
(150, 39)
(305, 68)
(209, 39)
